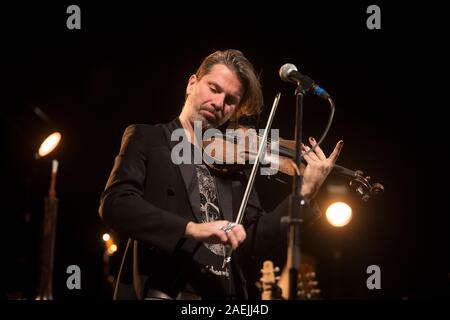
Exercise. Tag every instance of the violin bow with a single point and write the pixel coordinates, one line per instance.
(252, 176)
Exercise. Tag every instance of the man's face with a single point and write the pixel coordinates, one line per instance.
(213, 99)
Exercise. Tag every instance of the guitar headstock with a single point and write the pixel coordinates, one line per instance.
(268, 281)
(307, 284)
(275, 287)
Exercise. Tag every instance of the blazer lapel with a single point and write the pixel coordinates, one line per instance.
(187, 171)
(190, 181)
(189, 175)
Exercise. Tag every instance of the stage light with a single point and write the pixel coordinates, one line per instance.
(52, 136)
(31, 135)
(49, 144)
(113, 248)
(32, 131)
(110, 246)
(339, 214)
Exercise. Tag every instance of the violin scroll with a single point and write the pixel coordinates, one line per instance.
(364, 188)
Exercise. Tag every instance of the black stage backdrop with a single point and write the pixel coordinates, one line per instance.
(130, 63)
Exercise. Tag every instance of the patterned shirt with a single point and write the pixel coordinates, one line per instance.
(211, 256)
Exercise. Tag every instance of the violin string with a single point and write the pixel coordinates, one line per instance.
(285, 150)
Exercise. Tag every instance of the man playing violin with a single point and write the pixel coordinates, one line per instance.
(179, 218)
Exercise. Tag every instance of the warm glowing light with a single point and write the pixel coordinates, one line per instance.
(339, 214)
(106, 237)
(111, 249)
(49, 144)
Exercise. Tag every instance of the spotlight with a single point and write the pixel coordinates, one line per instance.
(110, 246)
(49, 144)
(112, 249)
(52, 136)
(339, 214)
(32, 131)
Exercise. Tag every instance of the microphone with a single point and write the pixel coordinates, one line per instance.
(289, 73)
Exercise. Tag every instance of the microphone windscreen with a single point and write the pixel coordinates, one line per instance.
(286, 70)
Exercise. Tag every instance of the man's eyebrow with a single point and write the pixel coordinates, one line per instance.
(215, 84)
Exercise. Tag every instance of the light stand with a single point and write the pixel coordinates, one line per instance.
(45, 289)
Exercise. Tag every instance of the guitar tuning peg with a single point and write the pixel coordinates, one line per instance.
(313, 283)
(277, 278)
(276, 269)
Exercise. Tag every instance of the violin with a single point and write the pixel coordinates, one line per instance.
(236, 151)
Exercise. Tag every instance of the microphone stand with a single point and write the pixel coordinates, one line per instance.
(297, 203)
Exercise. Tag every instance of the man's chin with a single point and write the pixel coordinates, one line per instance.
(205, 123)
(208, 125)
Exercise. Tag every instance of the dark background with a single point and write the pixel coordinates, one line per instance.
(130, 64)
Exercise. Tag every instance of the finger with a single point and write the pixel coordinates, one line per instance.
(311, 153)
(221, 234)
(232, 240)
(317, 149)
(337, 150)
(308, 158)
(311, 156)
(242, 236)
(240, 233)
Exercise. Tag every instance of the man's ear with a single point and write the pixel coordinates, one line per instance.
(191, 83)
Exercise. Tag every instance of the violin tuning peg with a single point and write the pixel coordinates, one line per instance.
(377, 190)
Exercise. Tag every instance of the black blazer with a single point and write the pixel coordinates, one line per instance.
(150, 200)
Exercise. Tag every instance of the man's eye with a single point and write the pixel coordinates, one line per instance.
(231, 101)
(213, 89)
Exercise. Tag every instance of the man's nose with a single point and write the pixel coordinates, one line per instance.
(219, 102)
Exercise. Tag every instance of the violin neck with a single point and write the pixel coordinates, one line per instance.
(340, 170)
(287, 149)
(337, 169)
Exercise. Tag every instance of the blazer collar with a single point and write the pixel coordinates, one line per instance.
(189, 175)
